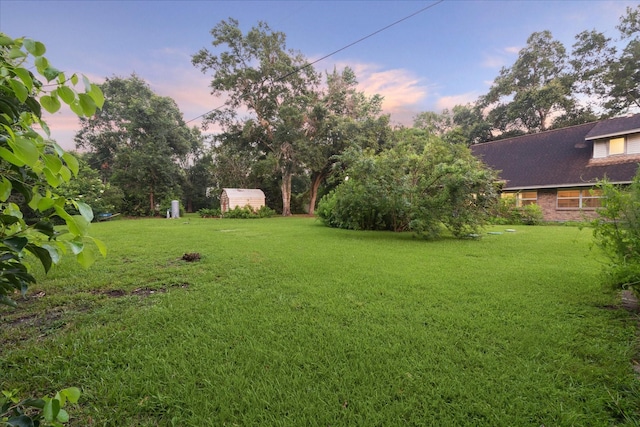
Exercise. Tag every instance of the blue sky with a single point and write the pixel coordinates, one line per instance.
(446, 55)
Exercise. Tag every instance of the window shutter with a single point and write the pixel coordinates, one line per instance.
(633, 144)
(599, 149)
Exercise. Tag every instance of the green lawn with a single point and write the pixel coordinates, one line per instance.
(286, 322)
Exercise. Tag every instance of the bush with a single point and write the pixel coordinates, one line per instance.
(248, 212)
(420, 185)
(506, 212)
(531, 214)
(617, 232)
(210, 213)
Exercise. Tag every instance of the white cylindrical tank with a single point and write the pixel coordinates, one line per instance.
(175, 209)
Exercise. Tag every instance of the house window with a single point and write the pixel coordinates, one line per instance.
(626, 145)
(579, 199)
(523, 198)
(616, 146)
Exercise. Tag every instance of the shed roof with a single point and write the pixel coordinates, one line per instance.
(244, 193)
(556, 158)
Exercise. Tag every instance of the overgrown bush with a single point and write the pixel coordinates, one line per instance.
(531, 214)
(210, 213)
(419, 185)
(248, 212)
(617, 232)
(507, 212)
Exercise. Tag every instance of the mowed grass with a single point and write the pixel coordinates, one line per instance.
(284, 322)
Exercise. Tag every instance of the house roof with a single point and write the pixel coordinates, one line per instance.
(559, 158)
(615, 127)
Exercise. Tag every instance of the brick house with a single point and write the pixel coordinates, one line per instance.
(557, 169)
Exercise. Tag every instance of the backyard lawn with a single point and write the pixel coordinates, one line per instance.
(285, 322)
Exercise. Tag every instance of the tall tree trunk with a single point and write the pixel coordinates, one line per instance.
(286, 193)
(152, 206)
(313, 192)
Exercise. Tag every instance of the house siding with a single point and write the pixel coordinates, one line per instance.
(547, 200)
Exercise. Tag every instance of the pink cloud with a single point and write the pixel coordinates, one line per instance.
(449, 102)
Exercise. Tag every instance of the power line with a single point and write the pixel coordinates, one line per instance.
(336, 51)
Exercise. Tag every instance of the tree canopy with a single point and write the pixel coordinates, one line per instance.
(136, 142)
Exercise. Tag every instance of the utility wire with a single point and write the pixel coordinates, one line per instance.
(335, 51)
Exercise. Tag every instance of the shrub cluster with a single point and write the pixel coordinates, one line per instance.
(210, 213)
(507, 212)
(246, 212)
(617, 232)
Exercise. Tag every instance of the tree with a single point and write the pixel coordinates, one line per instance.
(610, 80)
(418, 185)
(32, 166)
(341, 117)
(136, 141)
(272, 84)
(526, 96)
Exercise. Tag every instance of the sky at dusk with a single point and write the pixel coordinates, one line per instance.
(446, 55)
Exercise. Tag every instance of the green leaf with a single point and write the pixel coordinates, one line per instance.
(72, 393)
(16, 243)
(26, 150)
(66, 94)
(54, 253)
(76, 108)
(10, 157)
(62, 213)
(42, 254)
(41, 63)
(101, 246)
(44, 227)
(34, 48)
(19, 89)
(5, 189)
(50, 103)
(50, 73)
(65, 174)
(85, 259)
(85, 210)
(76, 246)
(87, 104)
(53, 162)
(51, 410)
(53, 180)
(74, 79)
(20, 421)
(45, 203)
(72, 163)
(25, 76)
(16, 53)
(5, 40)
(97, 95)
(63, 416)
(87, 84)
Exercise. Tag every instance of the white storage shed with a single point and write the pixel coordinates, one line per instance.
(241, 197)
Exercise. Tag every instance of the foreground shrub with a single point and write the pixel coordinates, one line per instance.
(419, 185)
(617, 232)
